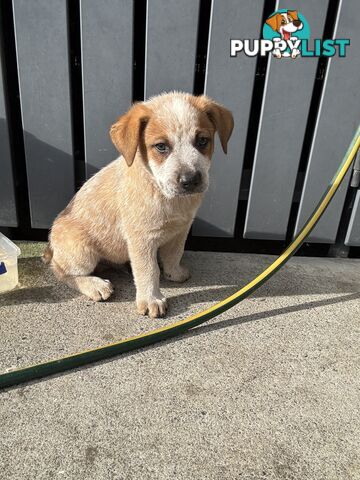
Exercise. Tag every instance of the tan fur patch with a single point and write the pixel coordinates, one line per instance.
(156, 132)
(219, 116)
(126, 132)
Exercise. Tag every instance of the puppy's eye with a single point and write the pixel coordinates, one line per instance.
(201, 142)
(283, 21)
(162, 147)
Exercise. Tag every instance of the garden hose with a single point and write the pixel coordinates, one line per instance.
(78, 359)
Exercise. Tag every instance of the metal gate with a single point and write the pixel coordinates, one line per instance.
(70, 68)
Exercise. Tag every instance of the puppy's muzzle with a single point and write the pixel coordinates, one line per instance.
(190, 182)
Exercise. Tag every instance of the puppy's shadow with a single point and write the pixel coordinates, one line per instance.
(46, 294)
(36, 285)
(124, 290)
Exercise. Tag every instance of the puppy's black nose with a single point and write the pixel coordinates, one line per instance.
(189, 181)
(297, 23)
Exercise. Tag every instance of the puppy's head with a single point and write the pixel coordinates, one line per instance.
(173, 134)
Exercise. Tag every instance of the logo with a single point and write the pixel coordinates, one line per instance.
(286, 34)
(286, 29)
(2, 268)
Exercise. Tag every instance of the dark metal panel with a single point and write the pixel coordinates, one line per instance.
(8, 217)
(106, 34)
(229, 81)
(353, 234)
(43, 63)
(280, 138)
(170, 45)
(338, 120)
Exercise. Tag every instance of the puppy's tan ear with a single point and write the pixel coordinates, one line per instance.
(274, 22)
(220, 117)
(293, 14)
(125, 133)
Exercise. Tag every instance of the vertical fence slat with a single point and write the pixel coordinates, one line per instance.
(229, 81)
(337, 123)
(43, 63)
(8, 217)
(280, 138)
(353, 234)
(170, 45)
(106, 37)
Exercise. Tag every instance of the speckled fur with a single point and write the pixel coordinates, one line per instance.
(132, 209)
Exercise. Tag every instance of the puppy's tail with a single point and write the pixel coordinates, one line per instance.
(47, 255)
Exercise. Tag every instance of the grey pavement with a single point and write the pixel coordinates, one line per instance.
(268, 390)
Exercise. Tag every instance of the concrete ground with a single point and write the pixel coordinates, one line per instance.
(268, 390)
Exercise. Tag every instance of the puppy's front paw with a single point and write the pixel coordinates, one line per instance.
(178, 274)
(154, 307)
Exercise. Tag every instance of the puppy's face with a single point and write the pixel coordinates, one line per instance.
(175, 139)
(179, 141)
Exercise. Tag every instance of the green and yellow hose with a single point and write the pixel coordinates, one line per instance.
(88, 356)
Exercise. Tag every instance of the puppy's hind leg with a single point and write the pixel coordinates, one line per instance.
(170, 256)
(95, 288)
(79, 278)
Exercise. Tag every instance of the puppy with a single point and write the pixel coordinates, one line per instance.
(285, 23)
(141, 206)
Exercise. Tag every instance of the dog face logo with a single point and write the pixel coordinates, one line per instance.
(286, 33)
(287, 27)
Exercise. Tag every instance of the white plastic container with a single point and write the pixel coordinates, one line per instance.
(9, 253)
